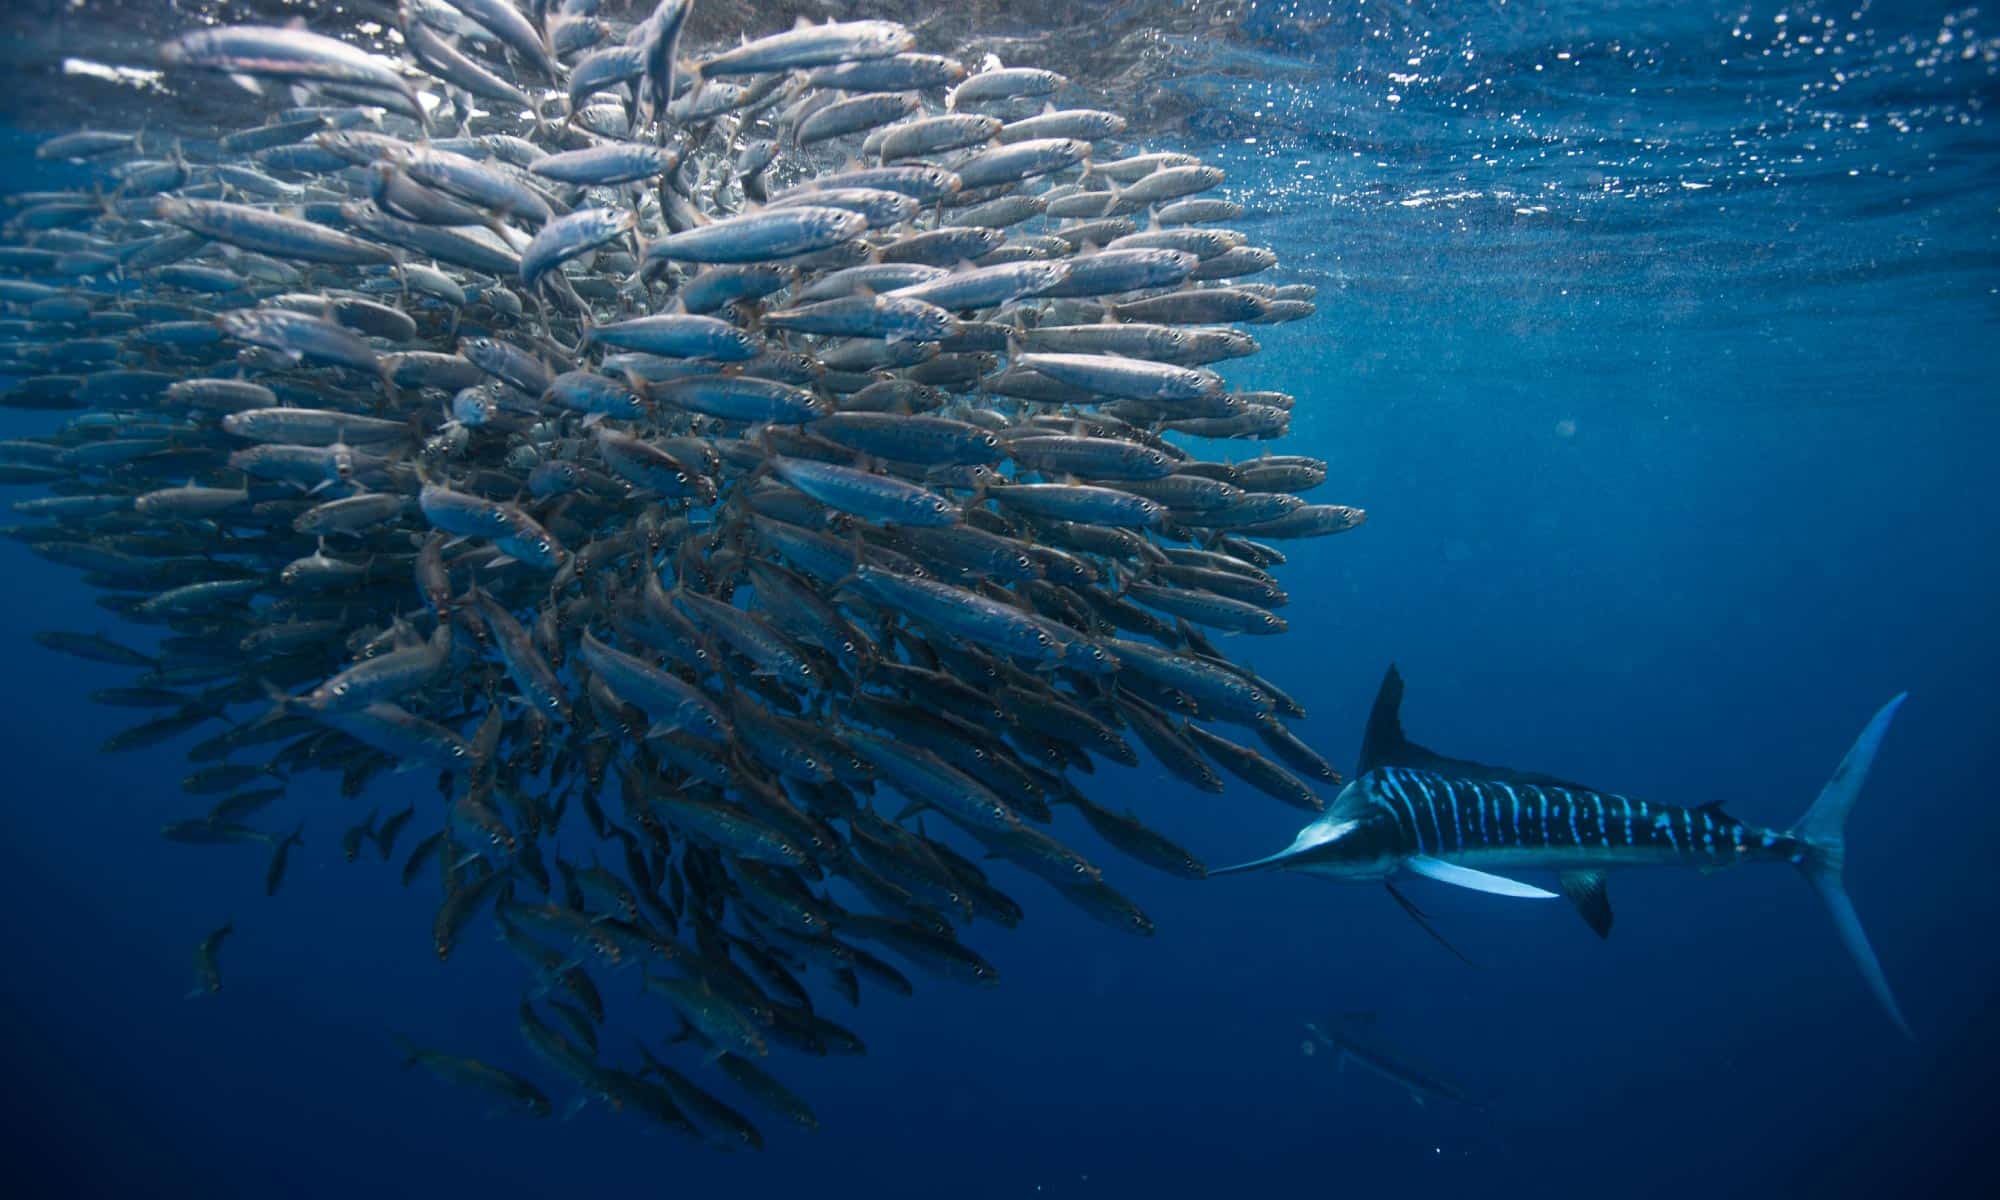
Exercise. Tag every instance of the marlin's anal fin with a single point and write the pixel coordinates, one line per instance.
(1478, 881)
(1585, 889)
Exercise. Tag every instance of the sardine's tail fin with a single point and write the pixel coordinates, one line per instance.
(1823, 832)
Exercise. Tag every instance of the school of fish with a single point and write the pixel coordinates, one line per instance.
(781, 467)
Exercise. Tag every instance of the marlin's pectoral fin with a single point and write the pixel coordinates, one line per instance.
(1478, 881)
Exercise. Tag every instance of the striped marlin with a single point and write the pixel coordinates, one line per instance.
(1411, 810)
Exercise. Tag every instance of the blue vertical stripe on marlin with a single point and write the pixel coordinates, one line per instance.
(1410, 809)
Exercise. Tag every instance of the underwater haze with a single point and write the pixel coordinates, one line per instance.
(1659, 344)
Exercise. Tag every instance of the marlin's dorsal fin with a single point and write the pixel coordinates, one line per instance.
(1383, 744)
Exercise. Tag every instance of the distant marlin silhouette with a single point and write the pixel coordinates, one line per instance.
(1352, 1041)
(1411, 809)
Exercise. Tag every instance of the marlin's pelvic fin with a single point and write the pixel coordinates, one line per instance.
(1423, 921)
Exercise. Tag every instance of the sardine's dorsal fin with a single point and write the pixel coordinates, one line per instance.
(1478, 881)
(1383, 744)
(1585, 889)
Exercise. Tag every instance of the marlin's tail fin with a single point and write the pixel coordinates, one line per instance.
(1823, 830)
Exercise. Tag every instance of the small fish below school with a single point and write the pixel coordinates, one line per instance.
(208, 963)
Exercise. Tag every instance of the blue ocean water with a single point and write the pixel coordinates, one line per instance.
(1660, 345)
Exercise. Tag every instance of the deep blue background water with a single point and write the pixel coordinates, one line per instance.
(1669, 487)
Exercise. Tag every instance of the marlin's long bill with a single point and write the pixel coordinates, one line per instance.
(1412, 810)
